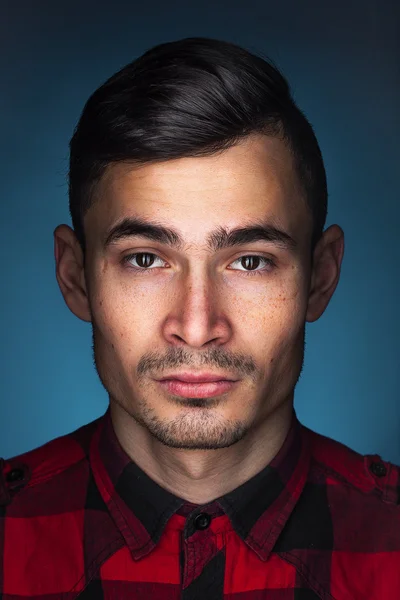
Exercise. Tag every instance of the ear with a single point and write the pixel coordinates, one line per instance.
(70, 271)
(328, 255)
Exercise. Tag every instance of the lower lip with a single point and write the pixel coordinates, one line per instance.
(197, 390)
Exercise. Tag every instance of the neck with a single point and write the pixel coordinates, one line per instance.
(201, 476)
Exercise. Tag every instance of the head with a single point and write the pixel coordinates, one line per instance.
(198, 201)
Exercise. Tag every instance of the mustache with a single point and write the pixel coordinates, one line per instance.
(181, 358)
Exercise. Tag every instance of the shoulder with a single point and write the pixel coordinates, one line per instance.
(47, 500)
(346, 521)
(20, 475)
(366, 474)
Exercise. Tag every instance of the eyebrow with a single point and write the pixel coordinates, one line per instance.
(218, 239)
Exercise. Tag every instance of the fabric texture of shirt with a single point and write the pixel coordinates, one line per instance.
(79, 519)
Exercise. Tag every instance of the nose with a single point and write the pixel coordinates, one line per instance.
(199, 315)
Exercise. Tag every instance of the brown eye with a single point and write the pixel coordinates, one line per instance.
(248, 262)
(144, 260)
(251, 262)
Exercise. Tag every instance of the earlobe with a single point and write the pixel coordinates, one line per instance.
(70, 271)
(328, 256)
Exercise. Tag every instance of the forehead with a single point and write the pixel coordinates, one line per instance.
(254, 179)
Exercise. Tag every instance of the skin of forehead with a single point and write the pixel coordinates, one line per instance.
(258, 171)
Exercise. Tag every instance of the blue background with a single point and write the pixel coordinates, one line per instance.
(342, 60)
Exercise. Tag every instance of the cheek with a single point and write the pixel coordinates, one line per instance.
(278, 322)
(119, 306)
(271, 314)
(275, 307)
(115, 319)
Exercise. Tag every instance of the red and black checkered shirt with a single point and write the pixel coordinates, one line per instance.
(78, 519)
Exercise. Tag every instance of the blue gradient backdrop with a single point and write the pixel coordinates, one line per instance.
(342, 60)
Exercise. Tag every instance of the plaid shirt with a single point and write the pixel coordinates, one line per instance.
(79, 519)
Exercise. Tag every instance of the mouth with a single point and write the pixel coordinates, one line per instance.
(199, 377)
(205, 389)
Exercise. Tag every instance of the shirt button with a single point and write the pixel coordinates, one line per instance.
(202, 521)
(378, 469)
(15, 475)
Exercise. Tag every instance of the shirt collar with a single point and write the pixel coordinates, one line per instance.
(258, 509)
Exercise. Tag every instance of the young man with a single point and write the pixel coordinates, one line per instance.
(198, 253)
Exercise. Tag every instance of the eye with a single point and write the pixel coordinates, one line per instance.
(247, 261)
(145, 263)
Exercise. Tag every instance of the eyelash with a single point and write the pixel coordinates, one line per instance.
(144, 270)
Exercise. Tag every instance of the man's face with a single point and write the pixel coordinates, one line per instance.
(238, 310)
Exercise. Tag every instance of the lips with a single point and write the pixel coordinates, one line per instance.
(198, 377)
(198, 389)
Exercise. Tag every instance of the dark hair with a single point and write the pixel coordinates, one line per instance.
(191, 97)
